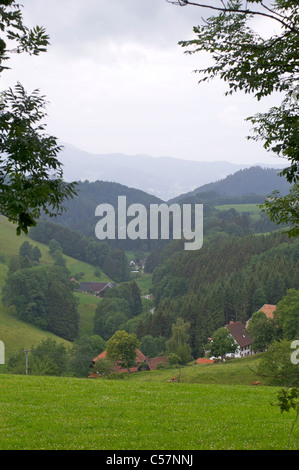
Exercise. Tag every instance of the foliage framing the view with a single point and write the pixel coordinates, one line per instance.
(253, 64)
(31, 177)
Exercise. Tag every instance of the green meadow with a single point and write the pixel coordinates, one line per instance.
(252, 209)
(233, 372)
(53, 413)
(248, 207)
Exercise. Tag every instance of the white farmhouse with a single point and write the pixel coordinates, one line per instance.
(241, 337)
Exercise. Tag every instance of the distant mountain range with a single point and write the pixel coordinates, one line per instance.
(163, 177)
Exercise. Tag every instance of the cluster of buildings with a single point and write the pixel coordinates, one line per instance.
(142, 362)
(237, 330)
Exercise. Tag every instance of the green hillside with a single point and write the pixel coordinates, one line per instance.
(18, 335)
(240, 371)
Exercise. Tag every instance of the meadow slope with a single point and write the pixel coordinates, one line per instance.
(84, 414)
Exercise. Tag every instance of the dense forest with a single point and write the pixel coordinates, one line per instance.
(119, 305)
(248, 186)
(254, 181)
(41, 295)
(226, 280)
(79, 214)
(237, 270)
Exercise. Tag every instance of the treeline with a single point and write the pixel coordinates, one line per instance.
(80, 211)
(218, 226)
(80, 216)
(244, 184)
(111, 260)
(225, 280)
(216, 199)
(50, 357)
(119, 305)
(41, 295)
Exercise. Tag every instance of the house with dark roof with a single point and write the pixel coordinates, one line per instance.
(95, 288)
(241, 337)
(141, 362)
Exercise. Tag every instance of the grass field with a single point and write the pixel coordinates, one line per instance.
(73, 414)
(235, 372)
(144, 283)
(251, 208)
(10, 244)
(16, 334)
(87, 307)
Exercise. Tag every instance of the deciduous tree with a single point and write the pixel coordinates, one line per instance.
(121, 348)
(223, 343)
(250, 62)
(287, 315)
(179, 341)
(262, 330)
(31, 177)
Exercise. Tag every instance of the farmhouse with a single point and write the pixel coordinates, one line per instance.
(204, 360)
(96, 288)
(268, 310)
(141, 361)
(153, 362)
(241, 337)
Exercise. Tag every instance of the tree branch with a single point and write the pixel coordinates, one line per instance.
(246, 11)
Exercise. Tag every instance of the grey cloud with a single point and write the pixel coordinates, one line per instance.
(74, 24)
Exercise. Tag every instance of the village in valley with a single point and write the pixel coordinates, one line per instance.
(149, 254)
(237, 330)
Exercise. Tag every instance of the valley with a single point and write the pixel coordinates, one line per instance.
(245, 262)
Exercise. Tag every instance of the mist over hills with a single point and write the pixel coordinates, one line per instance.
(164, 177)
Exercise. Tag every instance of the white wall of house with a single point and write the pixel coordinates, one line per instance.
(242, 352)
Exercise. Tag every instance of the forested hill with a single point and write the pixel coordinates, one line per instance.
(251, 181)
(80, 216)
(80, 211)
(227, 279)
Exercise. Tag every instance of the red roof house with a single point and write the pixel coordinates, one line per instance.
(268, 310)
(152, 363)
(204, 360)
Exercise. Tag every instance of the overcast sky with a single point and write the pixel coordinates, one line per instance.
(117, 81)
